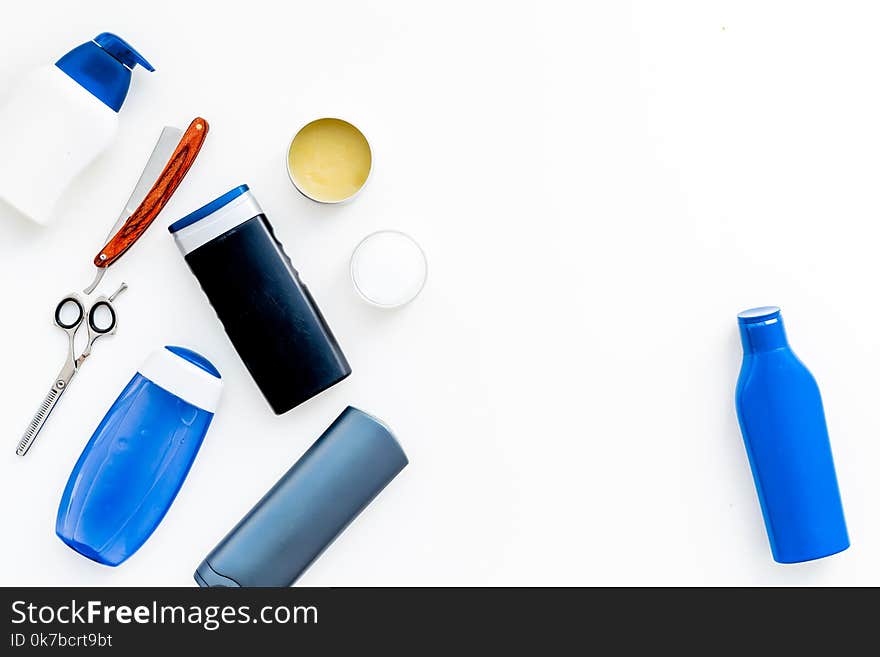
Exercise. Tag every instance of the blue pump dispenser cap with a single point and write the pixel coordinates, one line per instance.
(103, 67)
(122, 50)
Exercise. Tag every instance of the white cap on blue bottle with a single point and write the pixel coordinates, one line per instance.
(185, 374)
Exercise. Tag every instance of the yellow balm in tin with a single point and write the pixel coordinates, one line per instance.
(329, 160)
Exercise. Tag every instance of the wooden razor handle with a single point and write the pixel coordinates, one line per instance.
(158, 196)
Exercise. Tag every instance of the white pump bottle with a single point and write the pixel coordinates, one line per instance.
(59, 119)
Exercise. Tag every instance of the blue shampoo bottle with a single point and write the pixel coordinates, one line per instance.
(783, 424)
(136, 461)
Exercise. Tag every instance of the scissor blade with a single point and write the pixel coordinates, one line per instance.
(163, 151)
(42, 414)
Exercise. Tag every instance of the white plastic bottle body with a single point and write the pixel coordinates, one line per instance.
(50, 130)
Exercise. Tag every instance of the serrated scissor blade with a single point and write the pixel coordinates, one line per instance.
(65, 376)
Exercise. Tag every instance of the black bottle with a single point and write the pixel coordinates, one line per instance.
(269, 315)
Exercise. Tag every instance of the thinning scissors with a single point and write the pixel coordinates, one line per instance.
(71, 313)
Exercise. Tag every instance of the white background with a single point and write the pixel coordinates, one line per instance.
(599, 187)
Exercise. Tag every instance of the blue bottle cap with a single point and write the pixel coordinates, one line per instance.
(103, 67)
(761, 329)
(760, 314)
(196, 359)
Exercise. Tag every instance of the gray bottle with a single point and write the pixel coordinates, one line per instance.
(340, 474)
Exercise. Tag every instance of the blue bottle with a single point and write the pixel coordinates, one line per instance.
(783, 424)
(136, 461)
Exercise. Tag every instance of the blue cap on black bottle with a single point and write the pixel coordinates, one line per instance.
(103, 67)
